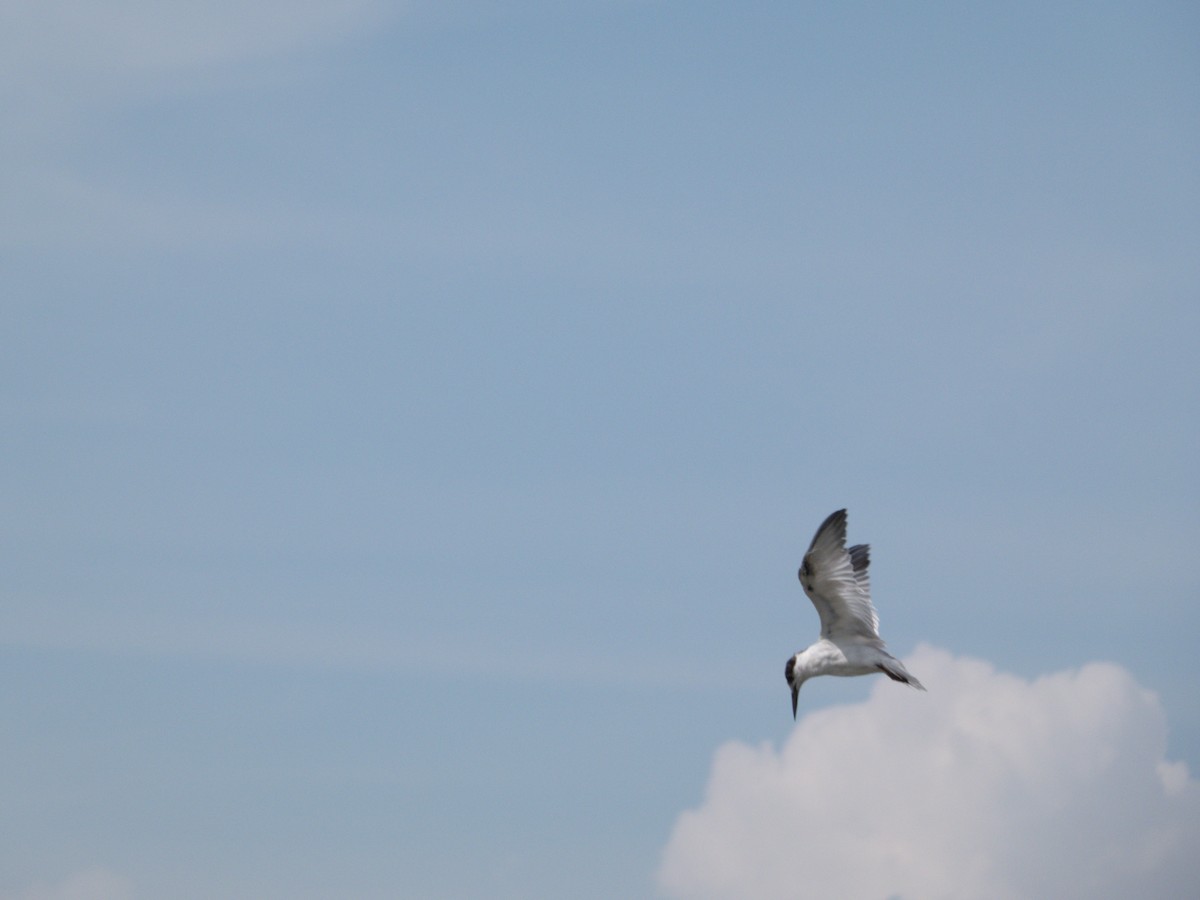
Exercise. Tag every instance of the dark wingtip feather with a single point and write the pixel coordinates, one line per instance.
(860, 557)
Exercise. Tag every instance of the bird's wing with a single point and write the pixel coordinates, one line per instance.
(836, 582)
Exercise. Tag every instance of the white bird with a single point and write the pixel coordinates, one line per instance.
(836, 582)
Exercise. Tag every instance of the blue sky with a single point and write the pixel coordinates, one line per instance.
(415, 414)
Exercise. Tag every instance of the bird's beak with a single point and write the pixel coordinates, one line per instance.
(795, 698)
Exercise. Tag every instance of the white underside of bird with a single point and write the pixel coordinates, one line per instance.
(835, 579)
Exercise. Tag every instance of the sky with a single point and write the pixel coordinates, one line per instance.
(414, 415)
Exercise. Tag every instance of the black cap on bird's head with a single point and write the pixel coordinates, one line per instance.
(789, 672)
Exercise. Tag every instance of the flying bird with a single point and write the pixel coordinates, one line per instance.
(836, 582)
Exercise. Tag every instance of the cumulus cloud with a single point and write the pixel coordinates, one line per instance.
(91, 884)
(989, 786)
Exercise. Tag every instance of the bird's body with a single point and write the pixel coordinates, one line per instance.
(835, 579)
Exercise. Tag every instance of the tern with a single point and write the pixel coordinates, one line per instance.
(836, 582)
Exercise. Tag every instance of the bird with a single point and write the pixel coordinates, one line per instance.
(836, 581)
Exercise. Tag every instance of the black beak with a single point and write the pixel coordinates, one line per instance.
(795, 697)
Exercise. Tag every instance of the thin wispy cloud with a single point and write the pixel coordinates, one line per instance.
(90, 884)
(68, 68)
(128, 37)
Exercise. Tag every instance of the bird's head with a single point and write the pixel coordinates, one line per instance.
(794, 680)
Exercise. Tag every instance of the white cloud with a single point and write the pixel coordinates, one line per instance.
(989, 786)
(91, 884)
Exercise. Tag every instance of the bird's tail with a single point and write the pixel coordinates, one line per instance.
(894, 669)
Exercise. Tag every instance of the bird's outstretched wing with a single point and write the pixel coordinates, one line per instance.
(836, 582)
